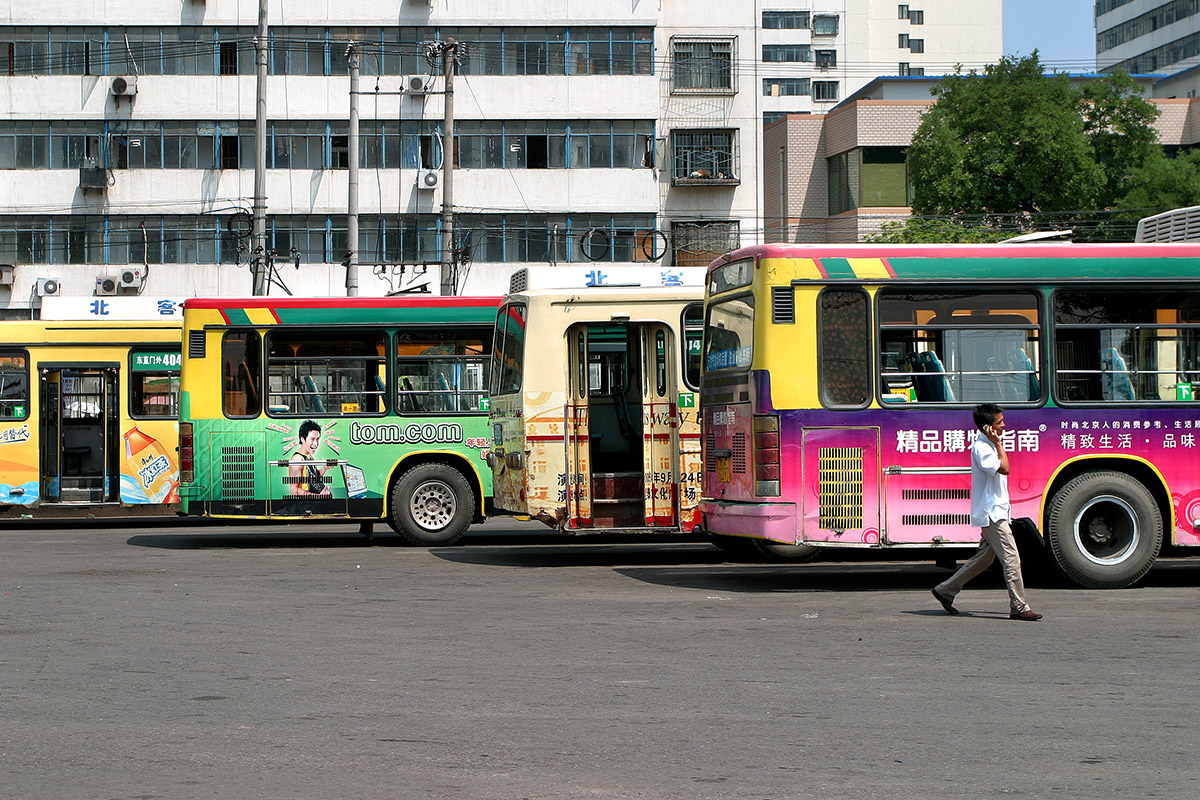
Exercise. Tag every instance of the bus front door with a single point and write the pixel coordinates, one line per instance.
(80, 436)
(660, 427)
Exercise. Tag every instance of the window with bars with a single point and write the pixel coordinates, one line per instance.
(782, 53)
(825, 90)
(702, 65)
(697, 243)
(704, 157)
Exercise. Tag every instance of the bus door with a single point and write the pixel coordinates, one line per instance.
(660, 425)
(840, 485)
(80, 433)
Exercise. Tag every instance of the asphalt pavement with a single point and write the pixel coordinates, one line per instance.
(167, 661)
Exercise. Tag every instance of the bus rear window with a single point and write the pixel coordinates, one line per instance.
(14, 386)
(728, 336)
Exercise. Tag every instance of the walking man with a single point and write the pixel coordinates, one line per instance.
(990, 511)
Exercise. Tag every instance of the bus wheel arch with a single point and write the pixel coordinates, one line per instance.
(433, 501)
(1104, 523)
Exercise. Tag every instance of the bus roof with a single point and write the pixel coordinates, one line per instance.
(1050, 261)
(357, 310)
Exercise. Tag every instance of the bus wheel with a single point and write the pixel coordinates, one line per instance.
(432, 504)
(1104, 529)
(776, 551)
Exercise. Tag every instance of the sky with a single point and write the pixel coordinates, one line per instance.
(1062, 31)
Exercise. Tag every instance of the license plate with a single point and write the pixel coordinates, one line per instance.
(723, 470)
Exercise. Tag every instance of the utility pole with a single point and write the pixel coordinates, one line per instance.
(354, 58)
(259, 260)
(449, 254)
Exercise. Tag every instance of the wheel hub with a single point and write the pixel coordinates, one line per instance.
(433, 505)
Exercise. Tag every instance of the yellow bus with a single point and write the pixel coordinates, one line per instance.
(593, 405)
(89, 403)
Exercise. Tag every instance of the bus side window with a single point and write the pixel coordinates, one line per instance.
(241, 369)
(844, 347)
(14, 386)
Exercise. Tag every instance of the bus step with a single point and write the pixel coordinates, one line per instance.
(619, 513)
(617, 486)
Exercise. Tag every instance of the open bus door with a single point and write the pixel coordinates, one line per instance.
(621, 435)
(50, 436)
(80, 433)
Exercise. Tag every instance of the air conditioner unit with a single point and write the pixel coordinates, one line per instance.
(6, 274)
(48, 287)
(92, 177)
(132, 278)
(429, 179)
(105, 287)
(416, 84)
(124, 86)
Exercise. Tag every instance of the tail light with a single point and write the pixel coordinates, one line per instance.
(766, 455)
(187, 454)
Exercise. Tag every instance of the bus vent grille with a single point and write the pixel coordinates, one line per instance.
(783, 304)
(935, 519)
(936, 494)
(195, 344)
(840, 488)
(237, 473)
(737, 463)
(710, 458)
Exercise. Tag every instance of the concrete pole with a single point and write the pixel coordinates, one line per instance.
(258, 238)
(449, 262)
(355, 59)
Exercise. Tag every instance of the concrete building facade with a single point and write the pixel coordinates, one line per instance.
(1147, 36)
(606, 132)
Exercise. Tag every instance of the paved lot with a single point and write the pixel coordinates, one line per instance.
(181, 662)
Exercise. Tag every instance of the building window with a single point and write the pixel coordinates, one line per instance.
(826, 58)
(903, 12)
(916, 17)
(903, 41)
(916, 45)
(825, 90)
(698, 243)
(702, 65)
(785, 87)
(777, 53)
(825, 25)
(704, 157)
(906, 70)
(785, 20)
(868, 177)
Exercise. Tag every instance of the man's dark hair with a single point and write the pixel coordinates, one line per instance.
(307, 427)
(985, 414)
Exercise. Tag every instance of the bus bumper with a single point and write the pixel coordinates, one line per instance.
(774, 521)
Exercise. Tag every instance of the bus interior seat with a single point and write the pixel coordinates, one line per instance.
(930, 381)
(1019, 362)
(375, 403)
(1115, 383)
(310, 387)
(409, 400)
(448, 403)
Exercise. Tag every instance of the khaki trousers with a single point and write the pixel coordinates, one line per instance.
(997, 540)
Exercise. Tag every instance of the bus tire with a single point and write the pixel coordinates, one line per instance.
(1104, 530)
(790, 553)
(432, 505)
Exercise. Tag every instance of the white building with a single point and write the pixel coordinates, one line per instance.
(602, 132)
(1147, 36)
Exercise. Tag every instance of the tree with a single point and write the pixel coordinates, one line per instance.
(1016, 140)
(917, 230)
(1162, 183)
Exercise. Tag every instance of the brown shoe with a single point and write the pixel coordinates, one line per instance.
(946, 604)
(1029, 615)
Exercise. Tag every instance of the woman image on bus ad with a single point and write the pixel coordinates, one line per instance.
(306, 479)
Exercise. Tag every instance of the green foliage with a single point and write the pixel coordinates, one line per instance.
(1162, 183)
(1015, 140)
(916, 230)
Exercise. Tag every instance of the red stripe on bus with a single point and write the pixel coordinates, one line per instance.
(219, 303)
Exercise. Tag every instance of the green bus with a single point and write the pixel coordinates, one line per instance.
(338, 408)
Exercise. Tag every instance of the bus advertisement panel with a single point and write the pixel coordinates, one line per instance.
(339, 409)
(89, 409)
(839, 383)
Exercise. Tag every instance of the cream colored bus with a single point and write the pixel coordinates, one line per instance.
(593, 401)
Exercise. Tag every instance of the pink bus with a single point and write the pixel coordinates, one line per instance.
(838, 382)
